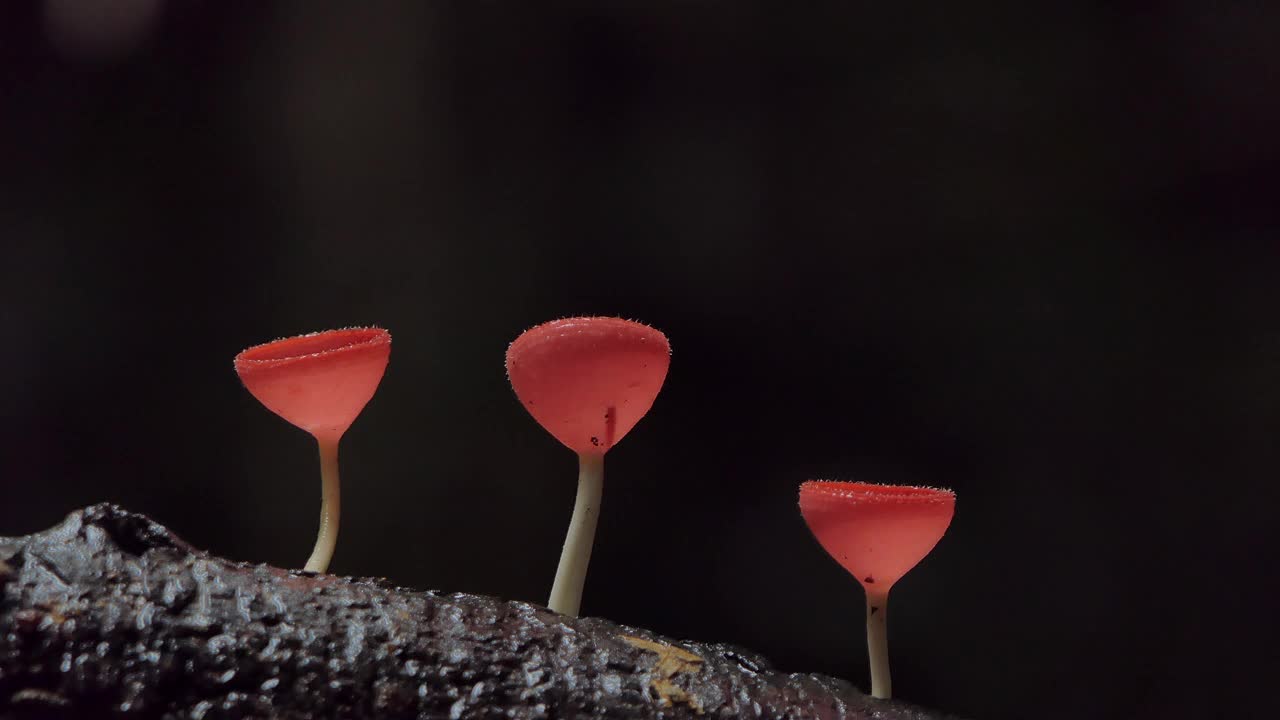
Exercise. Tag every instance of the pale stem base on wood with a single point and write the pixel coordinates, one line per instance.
(330, 507)
(566, 591)
(878, 645)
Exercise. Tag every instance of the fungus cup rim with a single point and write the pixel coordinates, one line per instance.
(862, 493)
(547, 332)
(284, 351)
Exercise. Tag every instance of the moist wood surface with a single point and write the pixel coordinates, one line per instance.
(111, 615)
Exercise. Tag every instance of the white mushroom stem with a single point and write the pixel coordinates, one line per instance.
(878, 645)
(330, 505)
(566, 591)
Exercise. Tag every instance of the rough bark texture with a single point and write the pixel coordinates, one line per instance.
(109, 614)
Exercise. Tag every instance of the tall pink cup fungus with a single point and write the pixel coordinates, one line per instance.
(587, 381)
(319, 382)
(877, 533)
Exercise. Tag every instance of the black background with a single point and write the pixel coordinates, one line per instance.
(1024, 250)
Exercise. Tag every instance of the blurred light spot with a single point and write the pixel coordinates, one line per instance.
(98, 30)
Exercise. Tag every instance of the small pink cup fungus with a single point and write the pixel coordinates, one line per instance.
(588, 381)
(319, 382)
(877, 533)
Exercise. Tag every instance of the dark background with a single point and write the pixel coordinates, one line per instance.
(1025, 250)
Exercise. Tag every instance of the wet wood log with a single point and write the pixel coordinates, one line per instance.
(111, 615)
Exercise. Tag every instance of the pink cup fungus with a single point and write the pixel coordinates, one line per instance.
(319, 382)
(877, 533)
(587, 381)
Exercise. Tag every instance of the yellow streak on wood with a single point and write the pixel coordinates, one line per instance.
(671, 661)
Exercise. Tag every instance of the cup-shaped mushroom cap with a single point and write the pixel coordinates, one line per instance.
(319, 382)
(876, 532)
(588, 380)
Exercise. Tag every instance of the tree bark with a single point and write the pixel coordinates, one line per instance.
(111, 615)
